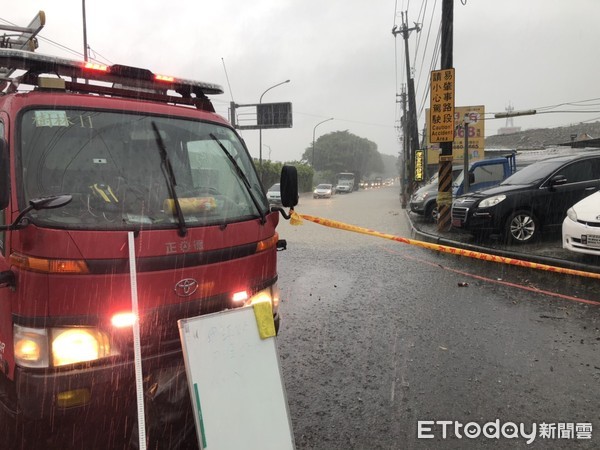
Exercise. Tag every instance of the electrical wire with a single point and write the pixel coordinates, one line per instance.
(51, 42)
(434, 61)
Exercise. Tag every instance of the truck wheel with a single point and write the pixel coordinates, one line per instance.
(521, 227)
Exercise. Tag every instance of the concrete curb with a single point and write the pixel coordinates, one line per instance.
(530, 257)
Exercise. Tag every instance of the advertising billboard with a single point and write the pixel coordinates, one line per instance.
(469, 118)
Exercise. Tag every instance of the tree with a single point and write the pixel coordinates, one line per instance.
(342, 151)
(272, 173)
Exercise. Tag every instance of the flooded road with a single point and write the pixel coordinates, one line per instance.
(378, 335)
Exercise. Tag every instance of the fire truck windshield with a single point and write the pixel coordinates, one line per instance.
(109, 163)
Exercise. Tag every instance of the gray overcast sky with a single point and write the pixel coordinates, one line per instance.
(341, 57)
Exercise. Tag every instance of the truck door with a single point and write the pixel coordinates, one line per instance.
(6, 359)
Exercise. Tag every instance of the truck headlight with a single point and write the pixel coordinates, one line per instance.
(491, 201)
(36, 347)
(571, 214)
(73, 345)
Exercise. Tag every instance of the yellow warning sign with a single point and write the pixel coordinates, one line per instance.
(441, 110)
(419, 165)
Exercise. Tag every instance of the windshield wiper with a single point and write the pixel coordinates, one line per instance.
(241, 174)
(167, 170)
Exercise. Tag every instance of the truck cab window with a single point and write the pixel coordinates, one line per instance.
(112, 166)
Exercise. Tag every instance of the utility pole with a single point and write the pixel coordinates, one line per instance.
(405, 149)
(85, 43)
(445, 167)
(412, 137)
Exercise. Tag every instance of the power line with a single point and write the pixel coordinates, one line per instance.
(574, 103)
(434, 60)
(56, 44)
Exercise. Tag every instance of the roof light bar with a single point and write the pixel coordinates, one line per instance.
(127, 76)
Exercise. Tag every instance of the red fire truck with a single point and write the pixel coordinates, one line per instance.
(88, 154)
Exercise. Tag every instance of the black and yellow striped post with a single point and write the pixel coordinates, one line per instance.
(444, 197)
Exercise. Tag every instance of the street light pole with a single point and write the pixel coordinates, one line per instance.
(313, 146)
(269, 147)
(260, 129)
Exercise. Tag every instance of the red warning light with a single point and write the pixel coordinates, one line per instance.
(164, 78)
(96, 66)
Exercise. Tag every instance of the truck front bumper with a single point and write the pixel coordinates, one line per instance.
(107, 389)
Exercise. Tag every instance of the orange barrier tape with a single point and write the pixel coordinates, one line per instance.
(296, 219)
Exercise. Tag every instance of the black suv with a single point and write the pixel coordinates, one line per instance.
(534, 198)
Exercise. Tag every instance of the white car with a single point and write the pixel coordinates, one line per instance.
(581, 227)
(274, 194)
(323, 191)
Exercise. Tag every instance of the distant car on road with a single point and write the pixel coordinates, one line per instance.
(323, 191)
(534, 198)
(274, 194)
(581, 227)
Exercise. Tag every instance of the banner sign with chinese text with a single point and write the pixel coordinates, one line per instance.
(419, 165)
(441, 110)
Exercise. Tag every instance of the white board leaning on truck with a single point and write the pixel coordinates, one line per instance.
(235, 381)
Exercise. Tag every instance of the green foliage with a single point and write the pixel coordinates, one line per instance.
(271, 173)
(325, 176)
(391, 166)
(342, 151)
(305, 175)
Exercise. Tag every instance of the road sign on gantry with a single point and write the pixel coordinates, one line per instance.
(441, 109)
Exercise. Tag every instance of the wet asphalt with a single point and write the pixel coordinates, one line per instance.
(378, 335)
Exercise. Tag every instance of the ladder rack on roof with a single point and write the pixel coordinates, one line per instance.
(17, 53)
(23, 39)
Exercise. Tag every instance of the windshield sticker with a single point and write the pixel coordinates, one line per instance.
(51, 119)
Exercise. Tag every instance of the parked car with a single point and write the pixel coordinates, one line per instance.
(274, 194)
(581, 227)
(424, 200)
(483, 174)
(323, 191)
(534, 198)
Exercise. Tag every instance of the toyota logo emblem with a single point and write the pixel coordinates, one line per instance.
(186, 287)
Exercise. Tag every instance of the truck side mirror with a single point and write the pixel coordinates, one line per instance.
(51, 202)
(471, 178)
(289, 186)
(4, 175)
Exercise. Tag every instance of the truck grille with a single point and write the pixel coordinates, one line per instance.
(159, 331)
